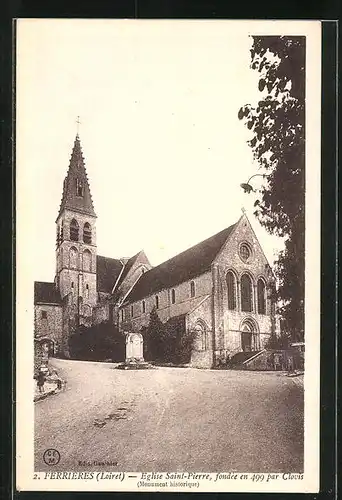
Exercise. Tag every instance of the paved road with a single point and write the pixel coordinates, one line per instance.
(171, 419)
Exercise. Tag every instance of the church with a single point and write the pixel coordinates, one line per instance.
(219, 289)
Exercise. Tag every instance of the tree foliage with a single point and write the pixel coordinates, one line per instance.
(281, 342)
(97, 343)
(277, 123)
(167, 342)
(153, 336)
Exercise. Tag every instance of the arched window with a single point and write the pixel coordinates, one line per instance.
(62, 232)
(79, 187)
(74, 230)
(73, 257)
(157, 302)
(87, 291)
(132, 311)
(143, 306)
(86, 260)
(246, 293)
(230, 279)
(87, 233)
(192, 289)
(122, 314)
(261, 296)
(173, 296)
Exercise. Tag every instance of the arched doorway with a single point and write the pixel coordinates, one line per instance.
(248, 336)
(201, 339)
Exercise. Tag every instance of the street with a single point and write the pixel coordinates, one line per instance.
(171, 419)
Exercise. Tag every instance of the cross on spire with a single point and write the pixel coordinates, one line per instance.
(78, 124)
(243, 210)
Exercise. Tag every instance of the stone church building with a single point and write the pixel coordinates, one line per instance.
(219, 288)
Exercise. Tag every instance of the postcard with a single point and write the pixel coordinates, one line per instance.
(168, 255)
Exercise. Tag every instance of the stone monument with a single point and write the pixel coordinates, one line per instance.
(134, 359)
(134, 347)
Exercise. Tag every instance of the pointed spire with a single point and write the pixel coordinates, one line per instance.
(76, 191)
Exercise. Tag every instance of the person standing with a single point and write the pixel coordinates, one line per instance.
(41, 381)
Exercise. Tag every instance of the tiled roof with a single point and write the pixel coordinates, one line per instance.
(127, 268)
(108, 271)
(184, 266)
(77, 173)
(46, 293)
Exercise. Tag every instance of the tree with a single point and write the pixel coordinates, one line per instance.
(167, 342)
(281, 342)
(154, 336)
(278, 144)
(97, 343)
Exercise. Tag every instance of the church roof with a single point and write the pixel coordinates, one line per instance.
(46, 293)
(184, 266)
(108, 271)
(76, 173)
(127, 268)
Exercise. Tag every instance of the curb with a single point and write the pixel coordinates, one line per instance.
(298, 374)
(44, 395)
(51, 392)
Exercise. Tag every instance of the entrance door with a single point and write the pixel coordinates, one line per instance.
(246, 338)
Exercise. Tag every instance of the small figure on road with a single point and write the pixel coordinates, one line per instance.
(41, 381)
(276, 362)
(290, 364)
(55, 378)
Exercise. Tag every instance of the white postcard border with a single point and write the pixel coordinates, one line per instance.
(25, 474)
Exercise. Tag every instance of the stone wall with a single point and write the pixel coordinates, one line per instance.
(223, 326)
(101, 313)
(183, 304)
(199, 320)
(41, 357)
(68, 271)
(229, 323)
(48, 322)
(266, 360)
(81, 218)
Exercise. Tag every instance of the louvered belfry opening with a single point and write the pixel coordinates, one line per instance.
(74, 230)
(87, 233)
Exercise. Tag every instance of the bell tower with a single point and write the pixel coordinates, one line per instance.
(76, 240)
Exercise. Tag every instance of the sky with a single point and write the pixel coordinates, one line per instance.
(164, 150)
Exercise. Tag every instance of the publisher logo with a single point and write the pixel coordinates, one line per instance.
(51, 456)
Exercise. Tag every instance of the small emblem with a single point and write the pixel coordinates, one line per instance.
(51, 456)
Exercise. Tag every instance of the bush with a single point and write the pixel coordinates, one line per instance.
(97, 343)
(167, 342)
(281, 342)
(153, 336)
